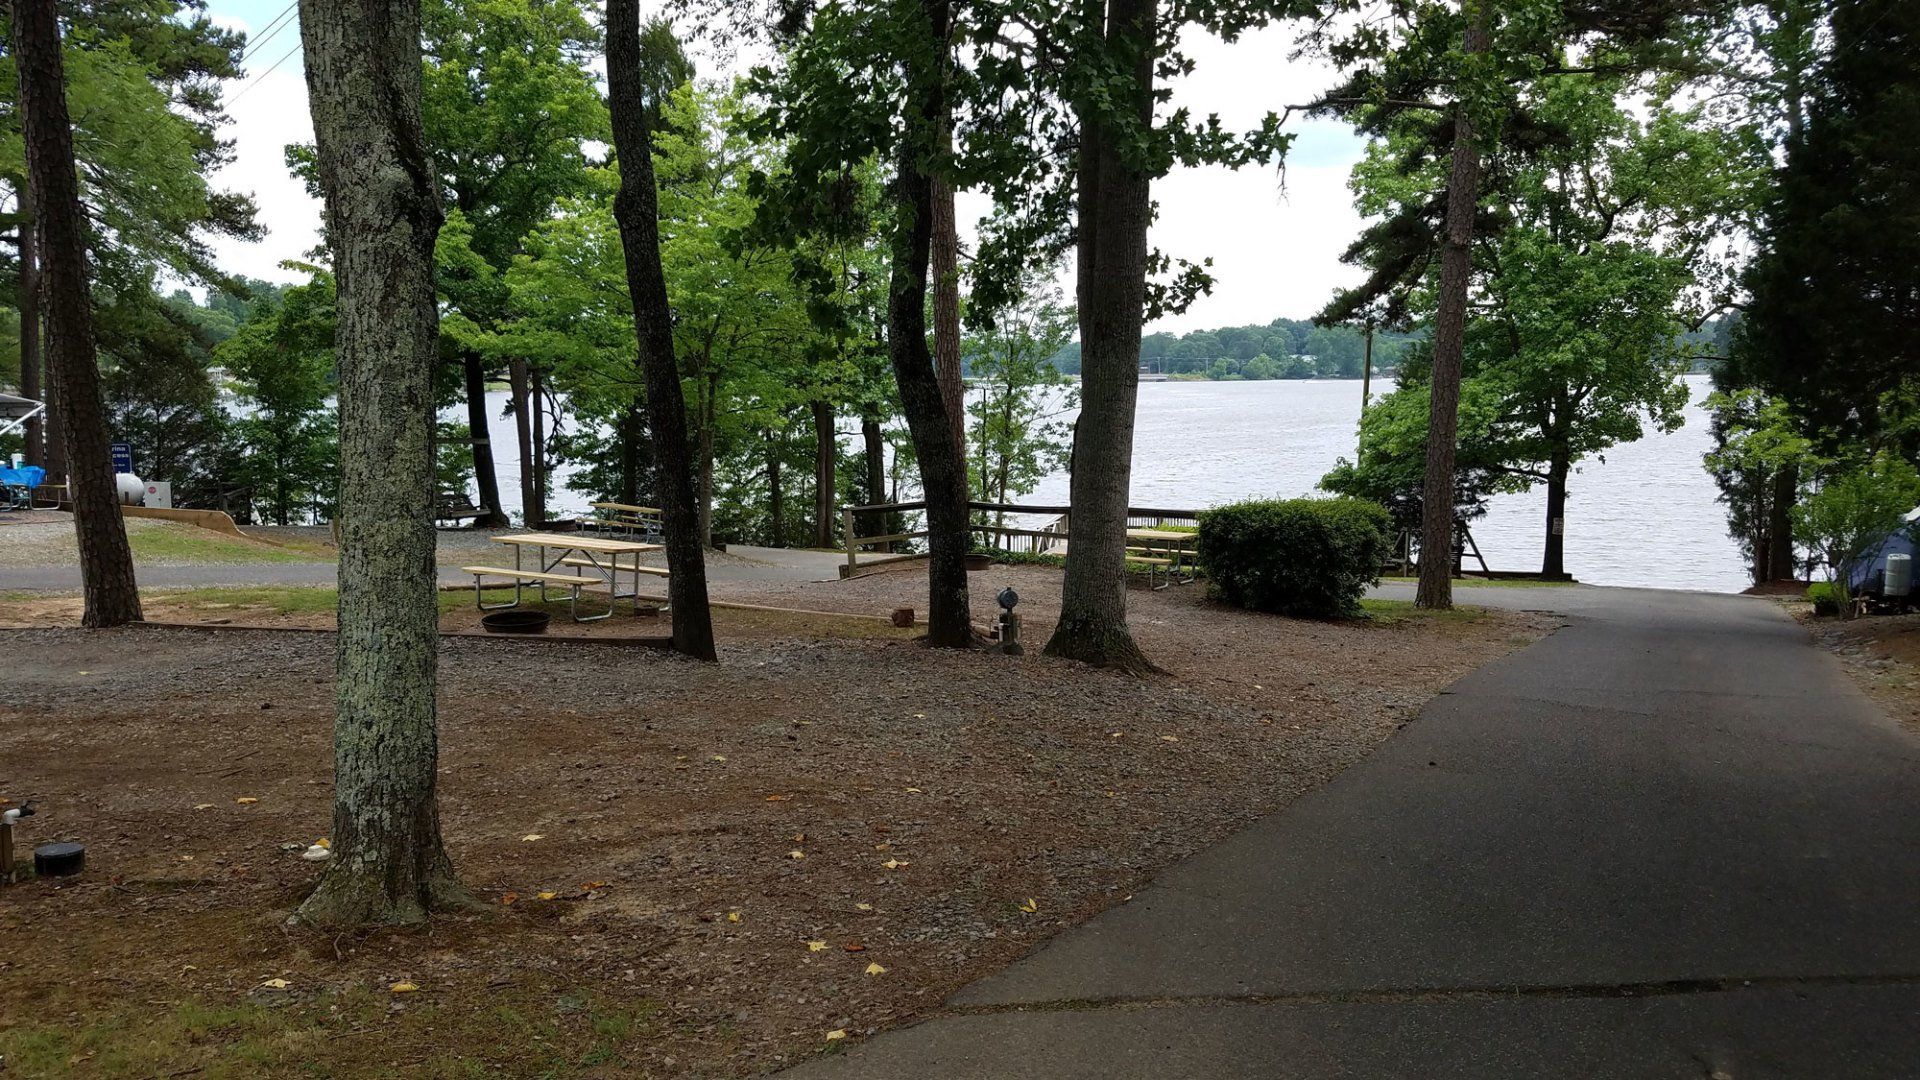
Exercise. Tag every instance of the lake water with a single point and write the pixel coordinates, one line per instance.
(1646, 515)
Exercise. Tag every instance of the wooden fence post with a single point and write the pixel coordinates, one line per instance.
(846, 525)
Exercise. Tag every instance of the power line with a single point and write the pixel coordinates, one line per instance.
(267, 32)
(258, 79)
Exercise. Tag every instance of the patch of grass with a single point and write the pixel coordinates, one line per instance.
(279, 599)
(172, 543)
(506, 1032)
(308, 599)
(1399, 612)
(1488, 583)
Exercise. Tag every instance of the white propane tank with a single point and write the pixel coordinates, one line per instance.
(1899, 577)
(133, 490)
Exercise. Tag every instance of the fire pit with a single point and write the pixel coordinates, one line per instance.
(516, 621)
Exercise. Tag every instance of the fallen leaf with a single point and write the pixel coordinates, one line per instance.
(779, 798)
(403, 988)
(913, 791)
(733, 916)
(276, 984)
(509, 898)
(836, 1034)
(1117, 734)
(863, 907)
(816, 946)
(1169, 738)
(589, 886)
(323, 842)
(876, 969)
(719, 757)
(549, 895)
(796, 853)
(1031, 906)
(246, 800)
(894, 864)
(854, 946)
(532, 836)
(203, 806)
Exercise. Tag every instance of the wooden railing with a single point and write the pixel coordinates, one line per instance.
(1042, 539)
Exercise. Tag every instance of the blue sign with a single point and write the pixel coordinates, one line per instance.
(122, 457)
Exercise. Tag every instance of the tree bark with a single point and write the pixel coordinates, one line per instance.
(1779, 559)
(30, 353)
(703, 447)
(383, 214)
(1114, 210)
(776, 496)
(944, 264)
(1553, 563)
(943, 473)
(826, 453)
(636, 210)
(112, 598)
(531, 514)
(1449, 346)
(874, 458)
(537, 397)
(479, 425)
(632, 429)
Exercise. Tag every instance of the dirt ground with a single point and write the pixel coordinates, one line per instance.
(1881, 652)
(692, 870)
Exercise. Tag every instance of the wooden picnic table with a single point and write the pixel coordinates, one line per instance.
(594, 553)
(1162, 549)
(611, 515)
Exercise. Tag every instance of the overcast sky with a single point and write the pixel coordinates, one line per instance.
(1275, 249)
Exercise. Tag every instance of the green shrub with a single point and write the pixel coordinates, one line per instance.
(1828, 597)
(1309, 557)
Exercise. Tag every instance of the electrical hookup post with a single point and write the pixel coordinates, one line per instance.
(8, 818)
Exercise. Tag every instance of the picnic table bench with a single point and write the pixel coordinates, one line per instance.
(608, 516)
(573, 582)
(455, 506)
(1163, 551)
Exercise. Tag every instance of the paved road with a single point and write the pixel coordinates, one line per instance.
(1669, 840)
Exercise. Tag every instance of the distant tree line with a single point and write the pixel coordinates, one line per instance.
(1282, 349)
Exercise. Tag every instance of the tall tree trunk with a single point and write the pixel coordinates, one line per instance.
(383, 214)
(106, 562)
(944, 264)
(632, 430)
(479, 425)
(1449, 346)
(1553, 564)
(1114, 210)
(874, 457)
(1778, 559)
(776, 496)
(826, 453)
(537, 397)
(636, 210)
(531, 514)
(30, 355)
(943, 472)
(703, 449)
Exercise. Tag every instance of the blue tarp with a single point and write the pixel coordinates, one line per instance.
(26, 476)
(1868, 568)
